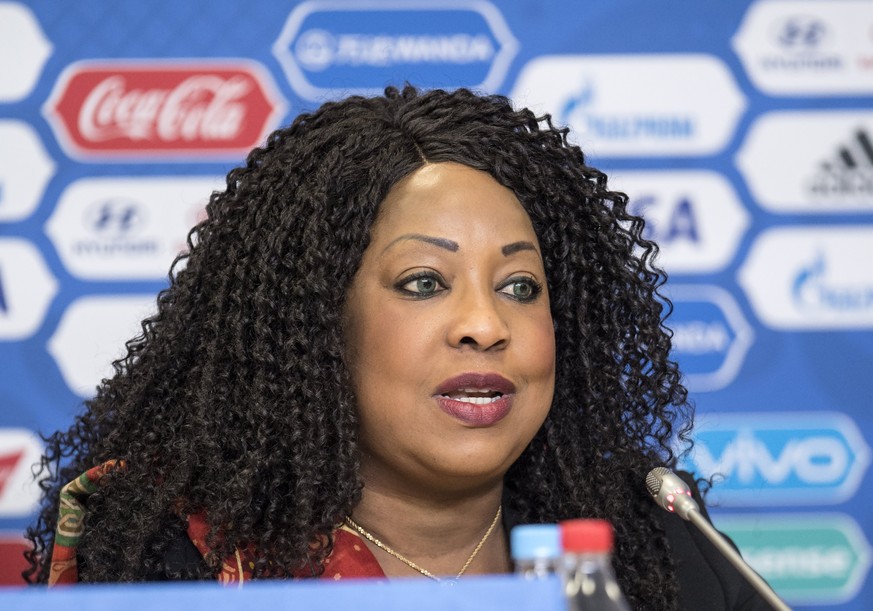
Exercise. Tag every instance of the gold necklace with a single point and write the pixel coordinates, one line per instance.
(409, 562)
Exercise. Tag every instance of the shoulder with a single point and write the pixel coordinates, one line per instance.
(707, 580)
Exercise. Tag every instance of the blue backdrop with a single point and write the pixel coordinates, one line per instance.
(742, 132)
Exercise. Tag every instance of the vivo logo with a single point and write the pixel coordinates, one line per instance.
(780, 458)
(747, 458)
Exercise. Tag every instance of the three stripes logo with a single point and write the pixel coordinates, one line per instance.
(848, 175)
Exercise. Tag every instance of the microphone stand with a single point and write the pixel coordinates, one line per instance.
(673, 494)
(735, 559)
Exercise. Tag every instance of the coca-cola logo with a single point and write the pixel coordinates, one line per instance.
(107, 110)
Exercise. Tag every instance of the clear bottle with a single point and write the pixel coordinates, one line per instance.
(536, 550)
(586, 570)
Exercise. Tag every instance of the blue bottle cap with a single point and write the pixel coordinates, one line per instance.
(530, 541)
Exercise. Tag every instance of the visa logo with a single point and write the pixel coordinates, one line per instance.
(680, 222)
(780, 458)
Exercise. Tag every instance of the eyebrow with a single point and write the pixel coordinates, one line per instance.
(515, 247)
(441, 242)
(452, 246)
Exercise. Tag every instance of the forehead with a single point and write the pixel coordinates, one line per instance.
(450, 198)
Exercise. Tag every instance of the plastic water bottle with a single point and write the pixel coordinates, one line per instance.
(586, 571)
(536, 550)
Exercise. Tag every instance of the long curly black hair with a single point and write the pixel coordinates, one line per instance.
(236, 397)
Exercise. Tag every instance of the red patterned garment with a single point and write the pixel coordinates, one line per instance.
(350, 558)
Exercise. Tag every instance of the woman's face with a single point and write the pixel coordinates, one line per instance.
(449, 333)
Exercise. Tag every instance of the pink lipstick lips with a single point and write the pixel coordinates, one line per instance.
(476, 399)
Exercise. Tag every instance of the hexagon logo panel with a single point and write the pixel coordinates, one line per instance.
(819, 558)
(26, 289)
(710, 335)
(779, 458)
(811, 278)
(819, 48)
(23, 53)
(694, 216)
(635, 105)
(127, 228)
(25, 170)
(810, 162)
(332, 49)
(92, 334)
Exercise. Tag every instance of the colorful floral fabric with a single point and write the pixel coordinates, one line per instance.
(71, 522)
(350, 559)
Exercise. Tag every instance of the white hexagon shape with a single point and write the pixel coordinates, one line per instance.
(92, 334)
(331, 49)
(19, 492)
(710, 335)
(810, 162)
(127, 228)
(811, 278)
(694, 216)
(25, 169)
(24, 50)
(635, 105)
(26, 289)
(819, 48)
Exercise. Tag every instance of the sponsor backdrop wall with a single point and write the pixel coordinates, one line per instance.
(742, 131)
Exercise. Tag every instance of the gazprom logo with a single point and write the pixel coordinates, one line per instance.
(578, 109)
(609, 103)
(780, 458)
(330, 49)
(813, 289)
(811, 278)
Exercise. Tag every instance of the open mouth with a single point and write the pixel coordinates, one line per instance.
(474, 396)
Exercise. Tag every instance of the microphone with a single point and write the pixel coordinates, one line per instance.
(672, 494)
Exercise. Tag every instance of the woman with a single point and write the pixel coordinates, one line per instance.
(408, 323)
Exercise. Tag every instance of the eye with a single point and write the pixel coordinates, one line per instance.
(522, 288)
(421, 285)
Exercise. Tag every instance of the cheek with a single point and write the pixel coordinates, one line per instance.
(540, 349)
(388, 346)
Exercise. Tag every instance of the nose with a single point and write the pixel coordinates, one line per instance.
(477, 321)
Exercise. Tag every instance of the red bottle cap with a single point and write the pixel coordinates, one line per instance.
(581, 536)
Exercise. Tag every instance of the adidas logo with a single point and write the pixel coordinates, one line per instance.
(849, 173)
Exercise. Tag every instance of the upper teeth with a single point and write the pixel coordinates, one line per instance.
(478, 396)
(477, 400)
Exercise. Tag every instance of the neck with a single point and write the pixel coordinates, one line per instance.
(436, 532)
